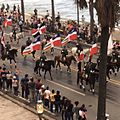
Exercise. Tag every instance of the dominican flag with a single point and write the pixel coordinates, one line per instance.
(7, 22)
(27, 50)
(81, 56)
(42, 30)
(36, 45)
(72, 35)
(47, 46)
(56, 41)
(35, 33)
(64, 41)
(94, 49)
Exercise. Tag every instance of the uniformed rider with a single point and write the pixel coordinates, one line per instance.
(64, 53)
(42, 58)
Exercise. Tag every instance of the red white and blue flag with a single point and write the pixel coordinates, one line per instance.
(47, 46)
(7, 22)
(42, 29)
(94, 49)
(35, 33)
(81, 56)
(36, 45)
(56, 41)
(27, 50)
(72, 35)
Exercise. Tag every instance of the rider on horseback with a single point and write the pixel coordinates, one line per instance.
(42, 59)
(64, 53)
(8, 47)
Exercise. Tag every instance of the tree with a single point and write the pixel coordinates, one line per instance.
(106, 13)
(81, 4)
(22, 10)
(53, 15)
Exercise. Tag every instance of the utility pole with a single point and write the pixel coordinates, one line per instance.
(22, 10)
(53, 15)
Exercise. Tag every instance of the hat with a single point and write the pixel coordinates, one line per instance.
(14, 77)
(43, 86)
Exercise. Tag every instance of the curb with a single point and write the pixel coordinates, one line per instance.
(26, 105)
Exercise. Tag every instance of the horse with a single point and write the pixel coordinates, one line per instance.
(22, 49)
(44, 66)
(69, 58)
(90, 75)
(12, 53)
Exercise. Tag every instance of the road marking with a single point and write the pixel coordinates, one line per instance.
(114, 82)
(66, 87)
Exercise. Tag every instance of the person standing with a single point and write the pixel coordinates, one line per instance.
(31, 86)
(52, 100)
(47, 97)
(15, 85)
(83, 113)
(24, 85)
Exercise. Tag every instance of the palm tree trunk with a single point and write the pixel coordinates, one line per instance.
(91, 19)
(22, 10)
(102, 73)
(53, 15)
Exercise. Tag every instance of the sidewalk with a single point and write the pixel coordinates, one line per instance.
(26, 105)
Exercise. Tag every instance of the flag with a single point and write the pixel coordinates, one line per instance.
(81, 56)
(110, 45)
(64, 41)
(42, 30)
(27, 50)
(56, 41)
(72, 36)
(36, 45)
(35, 33)
(47, 46)
(7, 22)
(94, 49)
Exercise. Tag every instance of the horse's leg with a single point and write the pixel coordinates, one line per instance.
(59, 66)
(10, 63)
(15, 62)
(50, 75)
(45, 74)
(38, 71)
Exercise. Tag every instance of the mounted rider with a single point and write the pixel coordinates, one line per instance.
(42, 59)
(64, 53)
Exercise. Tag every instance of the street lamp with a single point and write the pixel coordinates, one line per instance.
(22, 10)
(53, 15)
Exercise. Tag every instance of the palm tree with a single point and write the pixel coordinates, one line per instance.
(106, 19)
(53, 15)
(23, 10)
(81, 4)
(91, 19)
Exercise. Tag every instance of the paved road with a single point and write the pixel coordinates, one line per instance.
(66, 83)
(11, 111)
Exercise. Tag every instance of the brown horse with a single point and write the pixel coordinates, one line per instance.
(58, 59)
